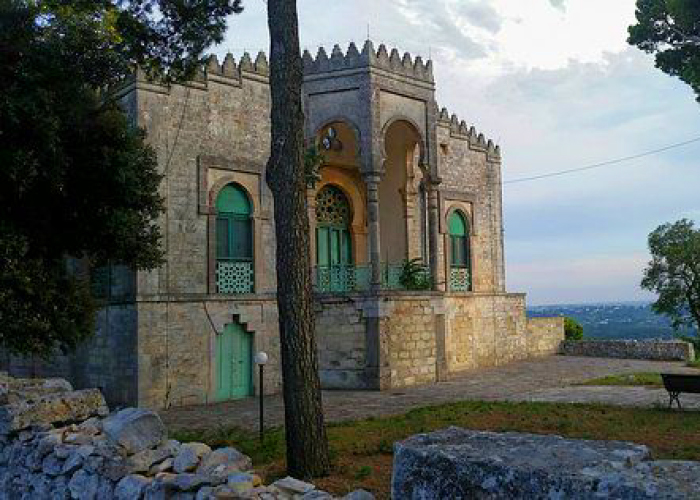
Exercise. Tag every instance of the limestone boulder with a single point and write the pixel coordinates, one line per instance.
(135, 429)
(13, 390)
(228, 459)
(189, 456)
(460, 464)
(51, 409)
(131, 487)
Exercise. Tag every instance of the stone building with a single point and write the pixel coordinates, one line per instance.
(401, 180)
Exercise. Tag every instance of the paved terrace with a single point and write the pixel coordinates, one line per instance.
(544, 379)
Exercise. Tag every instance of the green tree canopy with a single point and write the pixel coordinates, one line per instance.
(674, 272)
(572, 329)
(670, 29)
(76, 179)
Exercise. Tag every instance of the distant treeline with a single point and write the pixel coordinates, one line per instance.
(613, 321)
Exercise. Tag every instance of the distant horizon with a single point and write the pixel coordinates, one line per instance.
(596, 303)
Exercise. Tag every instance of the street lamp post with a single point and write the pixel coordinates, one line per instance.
(261, 360)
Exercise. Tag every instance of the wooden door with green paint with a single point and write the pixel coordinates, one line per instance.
(234, 353)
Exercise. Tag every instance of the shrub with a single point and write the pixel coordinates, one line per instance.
(415, 275)
(572, 329)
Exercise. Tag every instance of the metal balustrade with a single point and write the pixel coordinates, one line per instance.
(460, 279)
(355, 278)
(234, 277)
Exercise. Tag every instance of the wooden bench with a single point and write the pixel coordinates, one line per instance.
(676, 384)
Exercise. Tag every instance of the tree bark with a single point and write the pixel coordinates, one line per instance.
(307, 445)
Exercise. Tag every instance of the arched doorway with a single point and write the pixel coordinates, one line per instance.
(234, 363)
(234, 241)
(460, 253)
(400, 221)
(334, 256)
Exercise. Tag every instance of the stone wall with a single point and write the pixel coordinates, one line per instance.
(659, 350)
(60, 443)
(471, 170)
(106, 361)
(461, 464)
(340, 334)
(176, 353)
(409, 340)
(404, 339)
(545, 336)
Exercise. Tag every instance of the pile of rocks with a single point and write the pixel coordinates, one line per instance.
(57, 443)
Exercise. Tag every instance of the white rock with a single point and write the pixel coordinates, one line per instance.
(294, 486)
(135, 429)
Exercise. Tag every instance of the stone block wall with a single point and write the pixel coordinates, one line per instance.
(176, 353)
(486, 331)
(545, 336)
(408, 341)
(631, 349)
(106, 361)
(340, 335)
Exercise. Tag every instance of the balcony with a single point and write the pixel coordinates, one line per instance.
(235, 277)
(355, 278)
(460, 279)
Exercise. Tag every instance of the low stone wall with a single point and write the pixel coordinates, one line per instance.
(631, 349)
(59, 443)
(460, 464)
(544, 336)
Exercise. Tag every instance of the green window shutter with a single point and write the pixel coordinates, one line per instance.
(322, 257)
(241, 239)
(459, 240)
(222, 238)
(346, 256)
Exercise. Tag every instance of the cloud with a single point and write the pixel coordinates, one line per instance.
(597, 278)
(558, 4)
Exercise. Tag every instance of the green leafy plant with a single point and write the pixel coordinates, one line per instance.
(313, 160)
(572, 329)
(415, 275)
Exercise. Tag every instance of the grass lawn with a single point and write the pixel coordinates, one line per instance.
(362, 450)
(648, 379)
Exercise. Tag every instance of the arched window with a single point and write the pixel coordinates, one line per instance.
(333, 243)
(460, 253)
(234, 241)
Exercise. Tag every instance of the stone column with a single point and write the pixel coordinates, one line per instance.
(434, 235)
(372, 181)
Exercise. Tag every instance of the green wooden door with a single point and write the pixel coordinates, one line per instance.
(234, 355)
(334, 256)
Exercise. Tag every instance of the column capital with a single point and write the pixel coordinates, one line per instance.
(372, 177)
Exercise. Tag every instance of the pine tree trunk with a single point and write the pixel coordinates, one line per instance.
(307, 446)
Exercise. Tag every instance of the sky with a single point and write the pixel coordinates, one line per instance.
(556, 85)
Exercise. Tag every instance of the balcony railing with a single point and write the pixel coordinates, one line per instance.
(460, 279)
(234, 277)
(354, 278)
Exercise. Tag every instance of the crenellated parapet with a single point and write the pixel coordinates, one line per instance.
(460, 130)
(227, 72)
(381, 58)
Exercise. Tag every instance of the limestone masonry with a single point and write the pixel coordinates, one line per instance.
(401, 180)
(461, 464)
(56, 443)
(659, 350)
